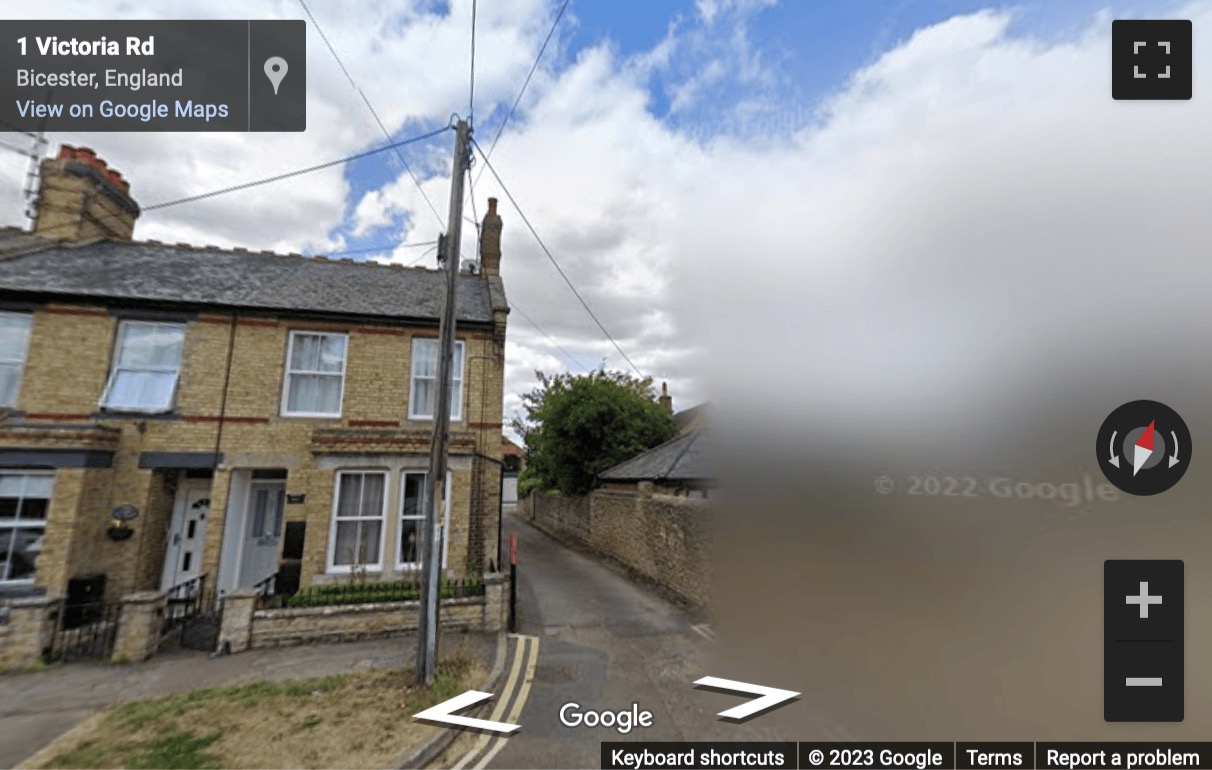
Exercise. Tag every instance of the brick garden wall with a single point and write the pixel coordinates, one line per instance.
(664, 539)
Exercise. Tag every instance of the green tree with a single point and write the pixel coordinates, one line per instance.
(577, 426)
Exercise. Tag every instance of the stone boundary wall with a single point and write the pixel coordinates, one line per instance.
(25, 632)
(308, 625)
(247, 628)
(28, 627)
(664, 539)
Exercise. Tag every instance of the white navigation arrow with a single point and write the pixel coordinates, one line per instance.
(1174, 457)
(771, 696)
(444, 712)
(1114, 456)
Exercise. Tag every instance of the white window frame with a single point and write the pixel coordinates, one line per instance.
(408, 566)
(15, 525)
(290, 349)
(19, 363)
(456, 406)
(345, 569)
(119, 341)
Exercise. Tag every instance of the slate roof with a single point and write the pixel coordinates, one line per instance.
(690, 418)
(193, 275)
(683, 458)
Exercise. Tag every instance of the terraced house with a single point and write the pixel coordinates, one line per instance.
(177, 414)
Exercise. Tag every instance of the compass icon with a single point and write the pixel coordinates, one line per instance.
(1143, 447)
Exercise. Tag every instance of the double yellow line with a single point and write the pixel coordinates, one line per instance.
(517, 689)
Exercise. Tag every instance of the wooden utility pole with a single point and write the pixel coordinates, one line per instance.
(435, 481)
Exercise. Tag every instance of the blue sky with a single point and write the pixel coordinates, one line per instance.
(807, 50)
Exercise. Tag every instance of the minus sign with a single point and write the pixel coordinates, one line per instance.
(1144, 681)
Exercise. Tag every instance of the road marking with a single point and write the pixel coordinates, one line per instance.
(704, 630)
(519, 702)
(499, 709)
(524, 643)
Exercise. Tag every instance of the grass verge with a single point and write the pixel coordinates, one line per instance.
(350, 720)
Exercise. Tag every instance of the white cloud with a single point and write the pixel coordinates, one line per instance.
(969, 193)
(370, 213)
(710, 10)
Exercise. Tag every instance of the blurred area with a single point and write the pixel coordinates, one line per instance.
(974, 287)
(925, 558)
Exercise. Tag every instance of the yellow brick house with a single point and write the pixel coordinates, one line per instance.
(258, 414)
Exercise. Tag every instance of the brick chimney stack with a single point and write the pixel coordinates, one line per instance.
(80, 198)
(666, 401)
(490, 241)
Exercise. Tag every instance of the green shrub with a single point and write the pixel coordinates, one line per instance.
(372, 593)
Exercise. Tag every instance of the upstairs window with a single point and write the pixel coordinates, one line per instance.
(424, 392)
(147, 363)
(14, 344)
(315, 375)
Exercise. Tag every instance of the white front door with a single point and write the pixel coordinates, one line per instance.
(186, 533)
(263, 516)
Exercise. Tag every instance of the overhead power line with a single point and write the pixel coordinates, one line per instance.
(266, 180)
(514, 305)
(475, 216)
(299, 172)
(373, 249)
(559, 269)
(372, 109)
(529, 75)
(471, 98)
(541, 330)
(424, 254)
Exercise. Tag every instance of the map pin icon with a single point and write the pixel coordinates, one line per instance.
(275, 70)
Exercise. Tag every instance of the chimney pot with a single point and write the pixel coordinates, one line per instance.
(492, 206)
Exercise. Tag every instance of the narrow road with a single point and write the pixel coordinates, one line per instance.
(604, 643)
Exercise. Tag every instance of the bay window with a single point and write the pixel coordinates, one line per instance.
(357, 523)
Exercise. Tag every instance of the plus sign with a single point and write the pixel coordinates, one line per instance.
(1144, 600)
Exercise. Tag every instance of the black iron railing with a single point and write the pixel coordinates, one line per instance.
(190, 612)
(86, 630)
(268, 597)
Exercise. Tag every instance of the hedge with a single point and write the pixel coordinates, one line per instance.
(373, 593)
